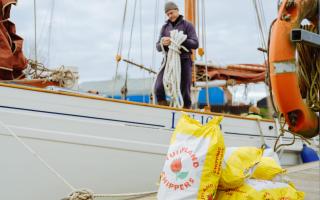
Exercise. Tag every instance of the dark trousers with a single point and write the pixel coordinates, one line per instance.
(186, 80)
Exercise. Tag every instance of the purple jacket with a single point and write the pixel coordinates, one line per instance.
(187, 28)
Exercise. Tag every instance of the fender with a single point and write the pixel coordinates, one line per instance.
(282, 62)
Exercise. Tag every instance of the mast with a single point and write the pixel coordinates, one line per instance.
(190, 15)
(190, 11)
(190, 7)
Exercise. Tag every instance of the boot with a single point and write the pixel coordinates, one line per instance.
(163, 103)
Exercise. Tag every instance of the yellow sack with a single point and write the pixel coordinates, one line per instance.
(268, 152)
(261, 190)
(193, 164)
(237, 166)
(267, 169)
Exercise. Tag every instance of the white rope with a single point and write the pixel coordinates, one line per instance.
(37, 156)
(263, 141)
(65, 77)
(77, 194)
(84, 194)
(172, 68)
(81, 195)
(127, 195)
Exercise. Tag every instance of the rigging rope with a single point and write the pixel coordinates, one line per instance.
(141, 51)
(264, 23)
(258, 7)
(155, 32)
(124, 89)
(50, 31)
(204, 45)
(45, 34)
(35, 29)
(309, 72)
(119, 51)
(263, 141)
(172, 68)
(283, 123)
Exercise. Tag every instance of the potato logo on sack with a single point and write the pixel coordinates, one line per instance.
(193, 163)
(179, 171)
(176, 167)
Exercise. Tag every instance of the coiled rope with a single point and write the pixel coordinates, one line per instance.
(172, 68)
(309, 72)
(65, 77)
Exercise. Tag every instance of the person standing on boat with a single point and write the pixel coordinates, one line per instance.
(176, 21)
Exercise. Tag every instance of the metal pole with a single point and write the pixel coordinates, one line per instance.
(140, 66)
(190, 15)
(204, 41)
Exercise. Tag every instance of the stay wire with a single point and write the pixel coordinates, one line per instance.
(119, 50)
(130, 46)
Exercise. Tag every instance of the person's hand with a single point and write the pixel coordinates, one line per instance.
(166, 41)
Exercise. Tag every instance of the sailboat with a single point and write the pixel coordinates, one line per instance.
(107, 145)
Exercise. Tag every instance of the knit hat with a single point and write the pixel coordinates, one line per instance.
(170, 6)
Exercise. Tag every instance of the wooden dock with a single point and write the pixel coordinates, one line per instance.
(306, 178)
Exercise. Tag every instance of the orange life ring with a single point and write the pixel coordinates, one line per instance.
(284, 80)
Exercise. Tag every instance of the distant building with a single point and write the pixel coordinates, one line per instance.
(139, 89)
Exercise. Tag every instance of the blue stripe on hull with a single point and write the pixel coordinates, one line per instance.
(83, 116)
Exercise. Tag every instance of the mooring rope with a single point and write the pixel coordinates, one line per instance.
(76, 194)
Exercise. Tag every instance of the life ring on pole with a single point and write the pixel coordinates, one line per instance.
(282, 62)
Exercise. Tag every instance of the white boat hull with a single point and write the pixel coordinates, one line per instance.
(105, 145)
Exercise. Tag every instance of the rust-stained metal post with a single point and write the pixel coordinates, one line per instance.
(190, 15)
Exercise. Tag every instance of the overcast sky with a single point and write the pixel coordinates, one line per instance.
(86, 33)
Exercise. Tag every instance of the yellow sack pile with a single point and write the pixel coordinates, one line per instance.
(238, 165)
(267, 169)
(193, 164)
(260, 189)
(268, 152)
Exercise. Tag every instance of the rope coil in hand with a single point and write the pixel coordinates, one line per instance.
(172, 68)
